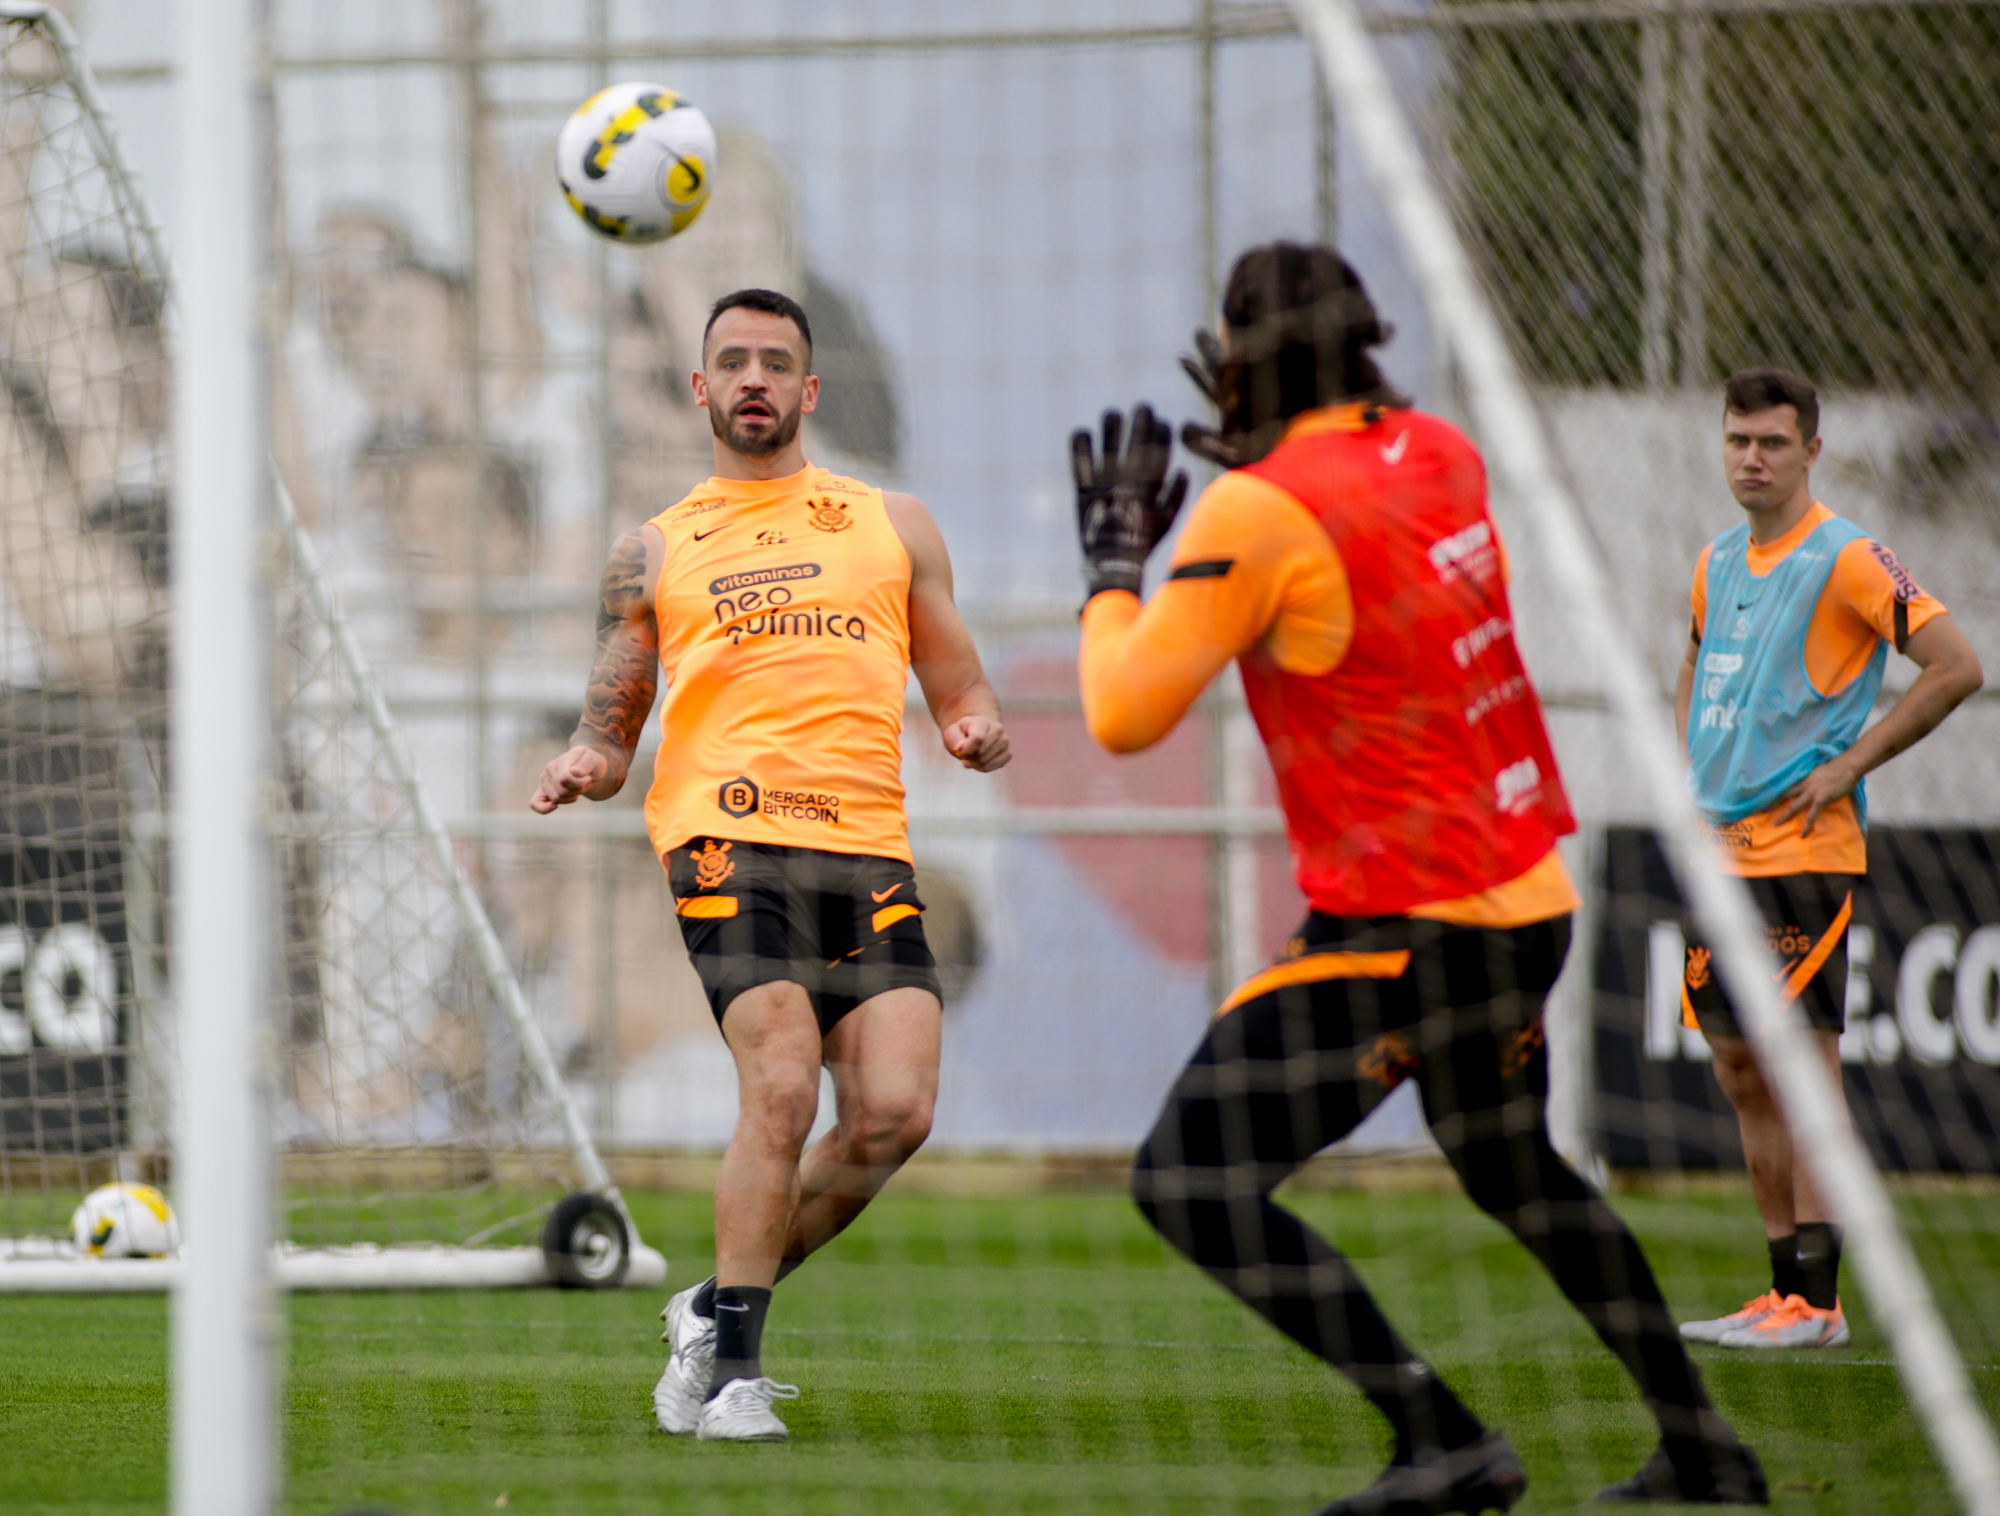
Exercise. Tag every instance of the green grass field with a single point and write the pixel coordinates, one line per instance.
(993, 1355)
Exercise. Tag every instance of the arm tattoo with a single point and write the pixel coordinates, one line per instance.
(627, 672)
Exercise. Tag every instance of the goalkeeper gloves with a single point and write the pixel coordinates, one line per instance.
(1124, 502)
(1204, 367)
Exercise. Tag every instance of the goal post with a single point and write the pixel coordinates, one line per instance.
(423, 1136)
(1509, 428)
(224, 1321)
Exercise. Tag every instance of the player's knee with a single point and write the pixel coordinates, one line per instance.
(888, 1128)
(1737, 1072)
(905, 1124)
(779, 1105)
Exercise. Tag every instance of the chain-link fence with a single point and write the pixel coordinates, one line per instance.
(1003, 221)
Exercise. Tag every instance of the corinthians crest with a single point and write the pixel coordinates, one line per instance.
(827, 516)
(712, 864)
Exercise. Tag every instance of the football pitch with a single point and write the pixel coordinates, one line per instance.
(1020, 1355)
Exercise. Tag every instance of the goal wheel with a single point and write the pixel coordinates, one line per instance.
(586, 1243)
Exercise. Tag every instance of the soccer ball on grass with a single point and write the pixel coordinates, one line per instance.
(636, 162)
(125, 1221)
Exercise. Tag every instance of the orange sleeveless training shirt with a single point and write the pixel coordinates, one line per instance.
(784, 615)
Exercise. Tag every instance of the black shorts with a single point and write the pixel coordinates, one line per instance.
(1805, 927)
(844, 927)
(1302, 1053)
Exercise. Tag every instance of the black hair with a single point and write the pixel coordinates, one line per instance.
(1758, 389)
(771, 302)
(1300, 327)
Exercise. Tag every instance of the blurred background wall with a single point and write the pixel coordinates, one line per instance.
(1003, 218)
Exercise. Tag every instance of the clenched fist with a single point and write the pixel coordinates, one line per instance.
(575, 774)
(978, 742)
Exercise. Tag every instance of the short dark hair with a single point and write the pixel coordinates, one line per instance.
(1758, 389)
(771, 302)
(1300, 327)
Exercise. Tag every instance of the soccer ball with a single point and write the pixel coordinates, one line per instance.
(125, 1221)
(636, 161)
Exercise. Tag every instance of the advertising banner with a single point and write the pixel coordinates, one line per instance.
(1920, 1054)
(65, 976)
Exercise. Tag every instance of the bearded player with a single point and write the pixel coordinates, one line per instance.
(785, 606)
(1348, 562)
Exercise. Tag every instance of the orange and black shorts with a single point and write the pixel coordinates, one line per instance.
(844, 927)
(1805, 926)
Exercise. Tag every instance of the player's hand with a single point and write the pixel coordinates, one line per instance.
(978, 742)
(1204, 367)
(1833, 781)
(1124, 502)
(568, 777)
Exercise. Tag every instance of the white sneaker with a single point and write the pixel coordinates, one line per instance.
(1762, 1308)
(677, 1397)
(741, 1412)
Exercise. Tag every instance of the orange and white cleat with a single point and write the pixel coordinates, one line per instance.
(1754, 1311)
(1797, 1325)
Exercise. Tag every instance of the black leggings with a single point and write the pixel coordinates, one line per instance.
(1295, 1068)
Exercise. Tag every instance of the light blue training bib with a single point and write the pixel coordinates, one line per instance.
(1756, 725)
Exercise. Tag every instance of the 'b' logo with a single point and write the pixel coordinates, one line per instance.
(738, 796)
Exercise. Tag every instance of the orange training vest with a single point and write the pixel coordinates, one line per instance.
(784, 615)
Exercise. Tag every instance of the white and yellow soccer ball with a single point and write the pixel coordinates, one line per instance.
(636, 162)
(125, 1221)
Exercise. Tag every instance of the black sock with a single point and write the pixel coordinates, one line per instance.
(1785, 1276)
(1819, 1263)
(739, 1332)
(703, 1304)
(1428, 1418)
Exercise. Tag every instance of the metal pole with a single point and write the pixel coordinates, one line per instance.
(467, 34)
(1215, 714)
(1211, 288)
(1511, 429)
(1657, 272)
(1569, 1017)
(224, 1429)
(606, 850)
(1326, 166)
(1693, 31)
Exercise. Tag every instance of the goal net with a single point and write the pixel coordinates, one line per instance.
(1003, 218)
(426, 1137)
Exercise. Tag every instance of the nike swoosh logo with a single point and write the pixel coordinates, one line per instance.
(1744, 605)
(709, 533)
(878, 896)
(723, 1305)
(1393, 453)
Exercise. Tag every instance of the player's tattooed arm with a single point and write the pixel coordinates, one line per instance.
(942, 654)
(623, 681)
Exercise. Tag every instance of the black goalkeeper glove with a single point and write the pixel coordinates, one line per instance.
(1204, 367)
(1124, 502)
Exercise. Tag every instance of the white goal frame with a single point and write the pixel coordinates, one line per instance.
(1509, 429)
